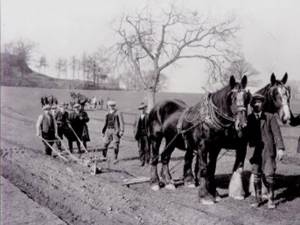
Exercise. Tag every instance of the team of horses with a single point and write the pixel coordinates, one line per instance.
(218, 121)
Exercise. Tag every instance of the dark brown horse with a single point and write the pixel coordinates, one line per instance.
(218, 119)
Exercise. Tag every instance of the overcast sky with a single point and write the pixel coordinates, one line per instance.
(270, 34)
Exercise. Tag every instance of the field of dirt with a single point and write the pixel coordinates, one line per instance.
(76, 196)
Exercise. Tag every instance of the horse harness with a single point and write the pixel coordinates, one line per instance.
(205, 112)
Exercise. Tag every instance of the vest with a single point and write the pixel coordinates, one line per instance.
(47, 124)
(111, 120)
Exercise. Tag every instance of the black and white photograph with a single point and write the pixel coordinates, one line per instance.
(150, 112)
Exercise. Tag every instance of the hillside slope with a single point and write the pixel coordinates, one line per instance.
(16, 72)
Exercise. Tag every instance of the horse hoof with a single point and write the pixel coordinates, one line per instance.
(207, 201)
(190, 185)
(155, 187)
(218, 198)
(170, 187)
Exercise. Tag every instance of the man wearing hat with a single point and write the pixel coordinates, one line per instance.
(78, 119)
(113, 129)
(265, 136)
(62, 121)
(141, 134)
(46, 128)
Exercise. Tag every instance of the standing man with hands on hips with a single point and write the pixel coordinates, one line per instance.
(113, 129)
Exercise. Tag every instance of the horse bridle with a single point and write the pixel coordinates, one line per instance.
(270, 93)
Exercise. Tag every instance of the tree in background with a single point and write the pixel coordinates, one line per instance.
(239, 67)
(73, 66)
(61, 67)
(23, 49)
(42, 63)
(153, 42)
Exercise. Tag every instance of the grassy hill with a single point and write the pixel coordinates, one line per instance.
(16, 72)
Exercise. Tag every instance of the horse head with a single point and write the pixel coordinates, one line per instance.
(233, 102)
(238, 99)
(277, 97)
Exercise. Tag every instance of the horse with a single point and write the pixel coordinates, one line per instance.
(223, 114)
(277, 97)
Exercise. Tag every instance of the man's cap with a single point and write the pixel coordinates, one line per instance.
(257, 97)
(76, 105)
(46, 107)
(111, 103)
(142, 106)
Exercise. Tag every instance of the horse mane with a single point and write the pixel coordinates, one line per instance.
(219, 98)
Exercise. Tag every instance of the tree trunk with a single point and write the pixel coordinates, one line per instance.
(150, 98)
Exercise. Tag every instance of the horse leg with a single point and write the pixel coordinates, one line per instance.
(187, 168)
(236, 187)
(154, 179)
(211, 169)
(240, 157)
(204, 195)
(165, 159)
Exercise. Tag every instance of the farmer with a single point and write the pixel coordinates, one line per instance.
(140, 134)
(78, 119)
(46, 128)
(62, 121)
(113, 129)
(265, 136)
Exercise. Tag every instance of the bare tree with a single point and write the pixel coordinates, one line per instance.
(23, 50)
(61, 66)
(42, 63)
(239, 67)
(153, 43)
(73, 66)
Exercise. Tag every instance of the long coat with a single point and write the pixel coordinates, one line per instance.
(78, 122)
(137, 126)
(265, 136)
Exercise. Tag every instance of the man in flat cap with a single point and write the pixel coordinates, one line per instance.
(46, 128)
(113, 129)
(141, 134)
(265, 136)
(78, 119)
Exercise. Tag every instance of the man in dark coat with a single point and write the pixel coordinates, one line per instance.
(46, 128)
(265, 136)
(113, 129)
(62, 121)
(141, 134)
(78, 119)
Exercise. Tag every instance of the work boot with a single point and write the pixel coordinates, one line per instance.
(271, 204)
(258, 197)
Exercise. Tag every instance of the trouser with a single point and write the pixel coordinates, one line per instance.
(144, 150)
(267, 176)
(111, 136)
(51, 138)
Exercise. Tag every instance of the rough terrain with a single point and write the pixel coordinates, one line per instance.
(76, 196)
